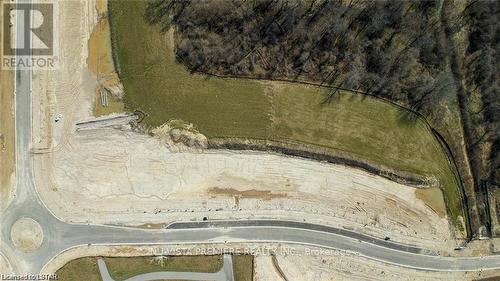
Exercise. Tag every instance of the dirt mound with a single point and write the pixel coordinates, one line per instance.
(181, 135)
(111, 85)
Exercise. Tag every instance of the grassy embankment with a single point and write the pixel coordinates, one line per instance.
(86, 269)
(362, 127)
(7, 128)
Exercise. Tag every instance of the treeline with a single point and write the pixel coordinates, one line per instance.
(482, 79)
(385, 48)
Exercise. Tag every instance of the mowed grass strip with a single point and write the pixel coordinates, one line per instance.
(163, 89)
(82, 269)
(243, 267)
(124, 268)
(363, 127)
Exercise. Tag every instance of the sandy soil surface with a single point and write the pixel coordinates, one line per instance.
(118, 176)
(5, 267)
(7, 132)
(290, 261)
(123, 177)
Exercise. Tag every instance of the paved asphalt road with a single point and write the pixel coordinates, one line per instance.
(303, 225)
(224, 274)
(59, 236)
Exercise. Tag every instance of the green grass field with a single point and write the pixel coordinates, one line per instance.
(363, 127)
(86, 269)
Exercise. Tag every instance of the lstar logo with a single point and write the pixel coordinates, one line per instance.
(29, 28)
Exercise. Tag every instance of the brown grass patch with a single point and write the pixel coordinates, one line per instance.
(152, 226)
(432, 197)
(101, 7)
(114, 105)
(251, 193)
(100, 60)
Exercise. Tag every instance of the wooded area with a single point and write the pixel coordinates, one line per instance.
(385, 48)
(398, 50)
(481, 68)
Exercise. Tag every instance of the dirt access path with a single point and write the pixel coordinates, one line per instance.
(7, 131)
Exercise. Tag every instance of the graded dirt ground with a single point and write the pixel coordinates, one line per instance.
(5, 267)
(7, 130)
(124, 177)
(364, 127)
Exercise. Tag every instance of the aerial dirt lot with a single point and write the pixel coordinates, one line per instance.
(119, 176)
(7, 132)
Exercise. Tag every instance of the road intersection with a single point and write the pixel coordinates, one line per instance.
(59, 236)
